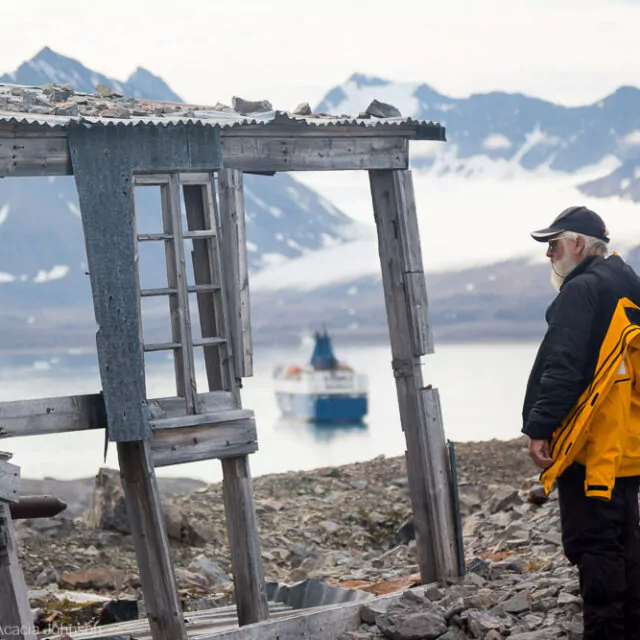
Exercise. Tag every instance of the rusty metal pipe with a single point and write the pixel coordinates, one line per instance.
(36, 507)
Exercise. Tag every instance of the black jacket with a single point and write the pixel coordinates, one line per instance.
(578, 320)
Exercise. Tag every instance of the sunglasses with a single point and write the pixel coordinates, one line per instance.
(554, 242)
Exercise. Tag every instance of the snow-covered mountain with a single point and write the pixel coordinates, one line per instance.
(510, 165)
(497, 132)
(48, 66)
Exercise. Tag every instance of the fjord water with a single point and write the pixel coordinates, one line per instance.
(481, 389)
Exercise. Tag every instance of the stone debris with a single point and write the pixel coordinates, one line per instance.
(62, 100)
(346, 527)
(382, 110)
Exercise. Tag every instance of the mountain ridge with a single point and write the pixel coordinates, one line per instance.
(499, 125)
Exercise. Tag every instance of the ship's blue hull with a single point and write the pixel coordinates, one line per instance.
(318, 408)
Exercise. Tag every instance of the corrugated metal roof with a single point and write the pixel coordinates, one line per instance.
(18, 102)
(220, 119)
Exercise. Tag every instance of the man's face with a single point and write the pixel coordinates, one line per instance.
(565, 255)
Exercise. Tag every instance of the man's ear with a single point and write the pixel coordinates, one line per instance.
(580, 244)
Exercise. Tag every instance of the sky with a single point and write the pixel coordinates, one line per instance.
(568, 51)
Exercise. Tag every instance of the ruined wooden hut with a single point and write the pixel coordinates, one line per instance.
(198, 155)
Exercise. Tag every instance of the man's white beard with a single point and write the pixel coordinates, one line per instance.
(560, 270)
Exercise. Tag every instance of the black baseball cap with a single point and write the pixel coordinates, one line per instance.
(577, 219)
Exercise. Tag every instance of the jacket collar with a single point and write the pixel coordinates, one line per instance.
(582, 267)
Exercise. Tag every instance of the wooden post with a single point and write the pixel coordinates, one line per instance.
(16, 620)
(150, 539)
(242, 528)
(407, 315)
(244, 541)
(233, 248)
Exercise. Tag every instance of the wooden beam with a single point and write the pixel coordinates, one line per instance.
(80, 413)
(314, 154)
(34, 157)
(405, 300)
(191, 444)
(108, 221)
(211, 402)
(324, 624)
(178, 304)
(16, 620)
(52, 415)
(201, 420)
(244, 542)
(151, 542)
(235, 271)
(198, 202)
(49, 156)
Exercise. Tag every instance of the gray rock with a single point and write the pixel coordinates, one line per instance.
(303, 109)
(246, 107)
(412, 617)
(66, 109)
(58, 92)
(503, 498)
(519, 603)
(210, 569)
(453, 633)
(481, 622)
(370, 610)
(48, 576)
(106, 92)
(423, 625)
(193, 580)
(382, 110)
(479, 566)
(109, 511)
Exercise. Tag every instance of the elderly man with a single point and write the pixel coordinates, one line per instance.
(582, 415)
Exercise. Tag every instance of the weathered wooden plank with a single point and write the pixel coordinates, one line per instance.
(395, 191)
(418, 309)
(177, 446)
(235, 271)
(201, 256)
(314, 154)
(179, 305)
(216, 266)
(9, 481)
(200, 420)
(16, 620)
(52, 415)
(389, 202)
(211, 402)
(195, 178)
(46, 156)
(440, 485)
(79, 413)
(150, 539)
(204, 622)
(327, 623)
(150, 179)
(34, 157)
(244, 542)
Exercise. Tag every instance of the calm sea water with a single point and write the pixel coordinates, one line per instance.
(481, 389)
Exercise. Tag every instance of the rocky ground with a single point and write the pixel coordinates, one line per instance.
(344, 526)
